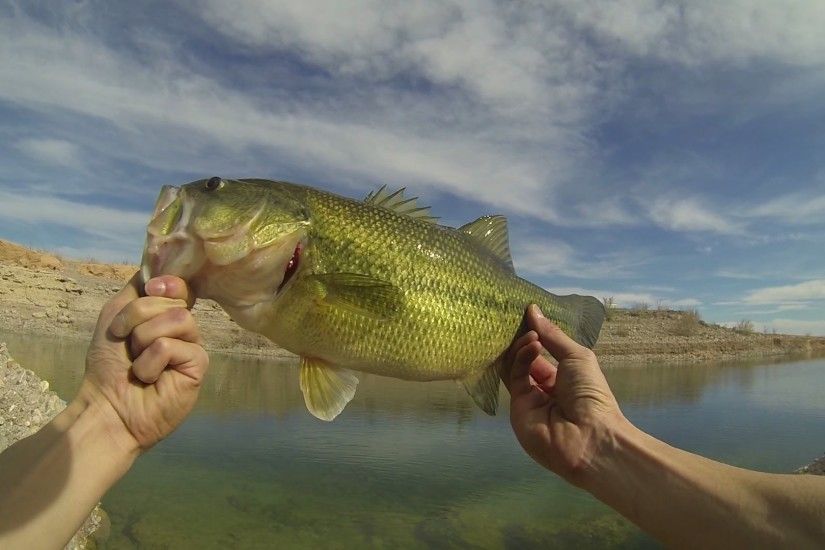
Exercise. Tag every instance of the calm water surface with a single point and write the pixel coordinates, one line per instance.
(416, 465)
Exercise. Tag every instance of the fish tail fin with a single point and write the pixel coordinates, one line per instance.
(586, 317)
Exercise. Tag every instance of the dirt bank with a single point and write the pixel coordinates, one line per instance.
(41, 293)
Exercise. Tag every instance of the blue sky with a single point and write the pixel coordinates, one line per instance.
(655, 151)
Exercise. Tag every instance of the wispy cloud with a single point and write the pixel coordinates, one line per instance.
(553, 257)
(51, 151)
(629, 299)
(801, 292)
(798, 326)
(107, 230)
(690, 215)
(796, 208)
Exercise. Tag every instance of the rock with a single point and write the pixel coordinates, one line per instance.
(39, 314)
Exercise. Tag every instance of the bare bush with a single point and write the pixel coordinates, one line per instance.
(688, 323)
(609, 305)
(745, 326)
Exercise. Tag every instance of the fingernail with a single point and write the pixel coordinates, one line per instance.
(537, 309)
(155, 287)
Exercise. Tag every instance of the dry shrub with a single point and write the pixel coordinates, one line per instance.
(688, 323)
(745, 326)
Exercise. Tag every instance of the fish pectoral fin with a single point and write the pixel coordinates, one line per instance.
(491, 233)
(359, 294)
(327, 389)
(399, 204)
(482, 385)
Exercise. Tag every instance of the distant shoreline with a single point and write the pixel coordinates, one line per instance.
(44, 294)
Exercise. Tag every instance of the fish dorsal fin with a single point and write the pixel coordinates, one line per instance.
(482, 385)
(491, 233)
(326, 389)
(355, 293)
(399, 204)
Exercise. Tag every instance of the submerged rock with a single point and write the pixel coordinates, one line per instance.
(26, 405)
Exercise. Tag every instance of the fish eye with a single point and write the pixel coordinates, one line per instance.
(213, 184)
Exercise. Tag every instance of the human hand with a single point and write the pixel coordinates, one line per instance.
(145, 362)
(562, 415)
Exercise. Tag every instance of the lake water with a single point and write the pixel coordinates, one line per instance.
(414, 465)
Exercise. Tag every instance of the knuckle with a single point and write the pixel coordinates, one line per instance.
(179, 315)
(162, 346)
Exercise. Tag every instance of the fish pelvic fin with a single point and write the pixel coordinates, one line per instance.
(587, 316)
(491, 233)
(482, 385)
(327, 389)
(398, 203)
(358, 294)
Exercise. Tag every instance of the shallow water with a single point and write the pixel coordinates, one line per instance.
(416, 465)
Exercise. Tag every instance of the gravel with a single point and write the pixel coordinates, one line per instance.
(26, 405)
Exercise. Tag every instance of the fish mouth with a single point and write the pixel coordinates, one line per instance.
(170, 247)
(211, 262)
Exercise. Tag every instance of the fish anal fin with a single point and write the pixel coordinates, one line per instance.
(327, 389)
(491, 233)
(358, 294)
(398, 203)
(482, 385)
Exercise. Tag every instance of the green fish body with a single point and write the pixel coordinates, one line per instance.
(374, 286)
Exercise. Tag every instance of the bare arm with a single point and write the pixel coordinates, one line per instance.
(50, 481)
(568, 420)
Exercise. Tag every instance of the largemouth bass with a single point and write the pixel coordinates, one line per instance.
(374, 286)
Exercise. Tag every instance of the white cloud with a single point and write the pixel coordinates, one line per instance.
(167, 114)
(796, 326)
(701, 31)
(53, 151)
(690, 215)
(629, 299)
(800, 292)
(108, 229)
(552, 257)
(793, 208)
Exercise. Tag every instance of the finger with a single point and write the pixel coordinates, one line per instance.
(519, 379)
(173, 323)
(554, 340)
(187, 358)
(170, 286)
(510, 354)
(139, 311)
(127, 294)
(543, 372)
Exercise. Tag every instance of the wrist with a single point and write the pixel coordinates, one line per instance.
(608, 440)
(92, 415)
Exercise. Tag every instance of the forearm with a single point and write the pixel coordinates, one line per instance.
(50, 481)
(687, 500)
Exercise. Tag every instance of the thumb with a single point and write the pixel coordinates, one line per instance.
(553, 338)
